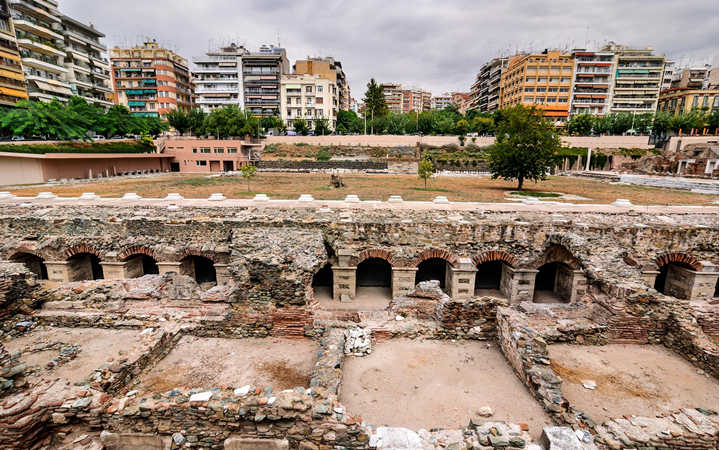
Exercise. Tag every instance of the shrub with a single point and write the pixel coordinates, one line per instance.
(323, 155)
(141, 146)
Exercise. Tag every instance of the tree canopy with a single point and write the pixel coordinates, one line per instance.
(375, 105)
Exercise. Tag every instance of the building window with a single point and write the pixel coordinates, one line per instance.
(318, 89)
(530, 79)
(543, 88)
(562, 99)
(201, 163)
(232, 150)
(308, 89)
(219, 150)
(205, 150)
(528, 99)
(194, 150)
(529, 89)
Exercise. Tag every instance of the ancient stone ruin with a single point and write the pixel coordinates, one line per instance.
(246, 324)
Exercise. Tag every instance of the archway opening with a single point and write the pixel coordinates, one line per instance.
(432, 269)
(200, 268)
(140, 264)
(84, 266)
(553, 283)
(34, 264)
(488, 279)
(674, 280)
(717, 288)
(322, 283)
(373, 283)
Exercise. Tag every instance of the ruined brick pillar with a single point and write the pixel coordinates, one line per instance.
(704, 281)
(114, 270)
(58, 271)
(521, 285)
(461, 281)
(222, 274)
(403, 280)
(579, 285)
(344, 283)
(165, 267)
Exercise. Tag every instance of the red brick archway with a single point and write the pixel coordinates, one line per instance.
(559, 253)
(82, 248)
(136, 250)
(495, 255)
(374, 253)
(677, 257)
(436, 253)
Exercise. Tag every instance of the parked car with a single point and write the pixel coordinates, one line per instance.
(117, 137)
(18, 138)
(291, 133)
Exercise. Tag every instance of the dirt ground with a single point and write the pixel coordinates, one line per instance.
(426, 384)
(369, 187)
(97, 346)
(367, 298)
(215, 362)
(631, 379)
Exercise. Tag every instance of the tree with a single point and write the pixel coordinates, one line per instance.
(661, 123)
(425, 169)
(462, 127)
(196, 121)
(643, 123)
(525, 146)
(483, 125)
(179, 120)
(227, 121)
(375, 105)
(51, 120)
(347, 119)
(322, 127)
(300, 126)
(248, 171)
(155, 126)
(581, 124)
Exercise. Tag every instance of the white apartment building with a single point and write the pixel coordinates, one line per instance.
(88, 71)
(593, 74)
(218, 78)
(639, 74)
(308, 97)
(442, 101)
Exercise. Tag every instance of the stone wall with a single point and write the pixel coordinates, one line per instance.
(321, 165)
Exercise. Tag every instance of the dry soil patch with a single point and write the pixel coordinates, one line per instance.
(427, 384)
(216, 362)
(97, 347)
(643, 380)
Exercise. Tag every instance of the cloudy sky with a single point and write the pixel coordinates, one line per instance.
(437, 45)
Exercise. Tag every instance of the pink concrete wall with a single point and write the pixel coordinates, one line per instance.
(188, 153)
(80, 168)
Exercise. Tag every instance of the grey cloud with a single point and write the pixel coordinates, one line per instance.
(437, 45)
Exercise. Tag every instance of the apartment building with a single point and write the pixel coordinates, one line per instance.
(667, 75)
(328, 68)
(308, 97)
(705, 77)
(416, 100)
(684, 99)
(150, 80)
(461, 100)
(639, 74)
(218, 78)
(262, 71)
(540, 79)
(38, 28)
(88, 72)
(393, 97)
(485, 91)
(592, 82)
(12, 80)
(442, 101)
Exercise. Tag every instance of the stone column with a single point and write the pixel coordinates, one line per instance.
(58, 271)
(521, 285)
(344, 283)
(114, 270)
(222, 274)
(705, 279)
(403, 280)
(579, 285)
(462, 279)
(165, 267)
(649, 273)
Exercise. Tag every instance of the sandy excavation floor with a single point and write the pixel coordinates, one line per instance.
(631, 379)
(215, 362)
(97, 347)
(428, 384)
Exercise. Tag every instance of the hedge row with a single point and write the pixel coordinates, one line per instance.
(140, 146)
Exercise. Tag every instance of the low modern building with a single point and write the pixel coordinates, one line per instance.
(540, 79)
(12, 79)
(485, 91)
(88, 72)
(592, 82)
(639, 74)
(209, 155)
(308, 97)
(26, 168)
(332, 70)
(150, 80)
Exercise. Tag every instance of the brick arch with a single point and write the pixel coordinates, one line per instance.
(677, 257)
(436, 253)
(82, 248)
(23, 249)
(495, 255)
(136, 250)
(559, 253)
(374, 253)
(205, 254)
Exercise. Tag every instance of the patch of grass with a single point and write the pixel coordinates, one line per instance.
(430, 189)
(535, 194)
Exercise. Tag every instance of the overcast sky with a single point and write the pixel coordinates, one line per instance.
(436, 45)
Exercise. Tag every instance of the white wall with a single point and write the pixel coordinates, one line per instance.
(14, 170)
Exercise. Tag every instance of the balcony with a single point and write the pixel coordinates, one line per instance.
(29, 25)
(26, 40)
(43, 63)
(86, 40)
(216, 70)
(52, 16)
(216, 101)
(200, 90)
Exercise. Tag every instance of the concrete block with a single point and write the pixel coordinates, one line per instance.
(441, 199)
(621, 202)
(216, 197)
(261, 198)
(352, 198)
(46, 195)
(89, 196)
(131, 196)
(305, 198)
(240, 443)
(395, 199)
(174, 196)
(6, 194)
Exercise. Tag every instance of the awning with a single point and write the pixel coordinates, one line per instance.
(292, 86)
(49, 87)
(13, 92)
(11, 74)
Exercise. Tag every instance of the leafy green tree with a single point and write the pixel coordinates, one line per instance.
(426, 123)
(269, 122)
(196, 121)
(155, 126)
(462, 127)
(179, 120)
(445, 126)
(323, 155)
(375, 105)
(621, 122)
(322, 127)
(661, 123)
(425, 169)
(581, 124)
(346, 119)
(482, 125)
(52, 120)
(300, 126)
(118, 121)
(248, 171)
(643, 123)
(340, 129)
(525, 146)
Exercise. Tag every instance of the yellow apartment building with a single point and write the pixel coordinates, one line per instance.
(12, 79)
(680, 100)
(540, 79)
